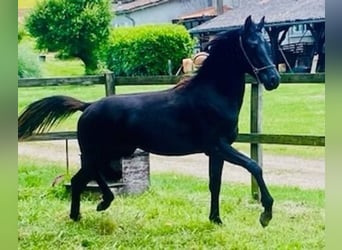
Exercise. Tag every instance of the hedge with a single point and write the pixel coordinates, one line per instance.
(28, 62)
(146, 49)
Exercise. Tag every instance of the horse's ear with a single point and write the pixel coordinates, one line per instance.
(261, 24)
(248, 26)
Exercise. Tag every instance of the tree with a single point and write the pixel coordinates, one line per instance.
(75, 28)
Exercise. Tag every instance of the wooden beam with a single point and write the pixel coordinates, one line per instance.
(56, 81)
(295, 78)
(299, 140)
(146, 80)
(110, 83)
(52, 136)
(152, 80)
(256, 127)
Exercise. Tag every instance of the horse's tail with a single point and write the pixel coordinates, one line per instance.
(41, 115)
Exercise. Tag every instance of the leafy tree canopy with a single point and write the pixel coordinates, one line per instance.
(75, 28)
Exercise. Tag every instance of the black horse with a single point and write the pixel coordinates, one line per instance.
(198, 116)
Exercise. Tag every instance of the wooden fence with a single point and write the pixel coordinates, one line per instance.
(255, 137)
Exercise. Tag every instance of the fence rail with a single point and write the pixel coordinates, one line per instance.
(110, 81)
(255, 137)
(149, 80)
(301, 140)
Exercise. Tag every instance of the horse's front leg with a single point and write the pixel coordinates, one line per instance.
(233, 156)
(215, 173)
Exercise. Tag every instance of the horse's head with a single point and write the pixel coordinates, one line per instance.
(256, 53)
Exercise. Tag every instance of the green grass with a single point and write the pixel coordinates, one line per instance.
(55, 67)
(291, 109)
(173, 214)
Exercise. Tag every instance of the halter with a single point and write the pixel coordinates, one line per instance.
(255, 69)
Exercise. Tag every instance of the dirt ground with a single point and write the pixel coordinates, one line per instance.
(279, 170)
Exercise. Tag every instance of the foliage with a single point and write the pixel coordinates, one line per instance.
(146, 49)
(21, 33)
(77, 28)
(173, 214)
(28, 63)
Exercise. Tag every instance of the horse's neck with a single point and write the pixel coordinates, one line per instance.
(221, 78)
(227, 81)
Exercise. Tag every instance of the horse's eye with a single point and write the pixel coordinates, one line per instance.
(253, 42)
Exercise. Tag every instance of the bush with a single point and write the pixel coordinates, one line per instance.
(28, 62)
(145, 50)
(21, 33)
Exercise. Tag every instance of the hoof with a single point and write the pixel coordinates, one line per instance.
(102, 206)
(216, 220)
(75, 217)
(265, 218)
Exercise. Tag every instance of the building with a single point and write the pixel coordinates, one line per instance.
(295, 28)
(138, 12)
(196, 18)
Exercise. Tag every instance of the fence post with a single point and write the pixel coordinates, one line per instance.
(255, 127)
(109, 83)
(169, 67)
(67, 155)
(136, 172)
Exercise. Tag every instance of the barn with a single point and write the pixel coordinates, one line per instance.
(295, 29)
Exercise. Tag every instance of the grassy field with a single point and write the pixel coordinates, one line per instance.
(56, 67)
(173, 214)
(53, 66)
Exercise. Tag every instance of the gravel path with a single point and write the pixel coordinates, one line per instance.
(279, 170)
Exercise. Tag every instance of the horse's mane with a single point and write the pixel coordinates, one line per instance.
(220, 38)
(213, 46)
(182, 82)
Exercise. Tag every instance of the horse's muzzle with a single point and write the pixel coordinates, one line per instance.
(272, 81)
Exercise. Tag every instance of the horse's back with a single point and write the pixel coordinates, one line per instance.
(157, 122)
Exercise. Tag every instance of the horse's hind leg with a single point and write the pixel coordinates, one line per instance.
(233, 156)
(107, 195)
(78, 182)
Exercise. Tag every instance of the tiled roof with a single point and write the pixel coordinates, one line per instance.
(209, 11)
(136, 5)
(276, 12)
